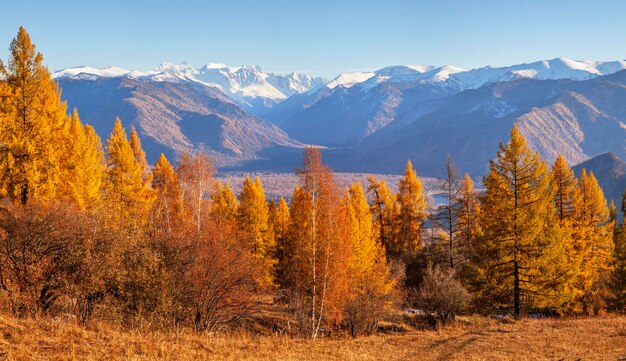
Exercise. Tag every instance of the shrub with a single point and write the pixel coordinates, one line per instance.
(440, 296)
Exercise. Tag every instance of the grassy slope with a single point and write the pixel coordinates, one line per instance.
(472, 339)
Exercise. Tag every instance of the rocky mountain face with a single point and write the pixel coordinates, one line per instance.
(175, 117)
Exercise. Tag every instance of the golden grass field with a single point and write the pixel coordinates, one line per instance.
(471, 338)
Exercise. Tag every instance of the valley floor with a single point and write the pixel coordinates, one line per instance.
(472, 338)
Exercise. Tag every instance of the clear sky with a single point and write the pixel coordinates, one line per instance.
(316, 36)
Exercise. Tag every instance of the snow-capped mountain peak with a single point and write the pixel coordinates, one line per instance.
(348, 80)
(462, 79)
(247, 84)
(87, 71)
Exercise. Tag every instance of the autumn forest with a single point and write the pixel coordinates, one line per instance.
(89, 230)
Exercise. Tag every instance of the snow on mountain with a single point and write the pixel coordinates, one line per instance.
(559, 68)
(83, 72)
(240, 82)
(412, 73)
(347, 80)
(462, 79)
(295, 83)
(250, 86)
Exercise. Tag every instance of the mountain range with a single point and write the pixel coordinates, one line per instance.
(250, 86)
(366, 121)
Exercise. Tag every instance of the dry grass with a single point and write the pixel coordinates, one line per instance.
(473, 338)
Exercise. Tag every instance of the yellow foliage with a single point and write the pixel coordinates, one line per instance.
(369, 273)
(225, 205)
(384, 211)
(253, 218)
(167, 208)
(521, 251)
(33, 124)
(411, 213)
(140, 155)
(126, 194)
(82, 165)
(592, 239)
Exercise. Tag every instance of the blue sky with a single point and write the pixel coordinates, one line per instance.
(318, 36)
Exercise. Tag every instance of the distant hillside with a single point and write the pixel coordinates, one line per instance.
(175, 117)
(610, 171)
(579, 119)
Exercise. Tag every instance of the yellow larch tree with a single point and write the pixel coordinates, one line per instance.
(298, 233)
(34, 124)
(566, 198)
(411, 214)
(279, 223)
(125, 192)
(384, 212)
(224, 204)
(82, 165)
(140, 155)
(617, 299)
(370, 281)
(520, 253)
(592, 241)
(167, 207)
(253, 218)
(566, 190)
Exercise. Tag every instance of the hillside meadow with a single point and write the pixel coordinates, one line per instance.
(470, 338)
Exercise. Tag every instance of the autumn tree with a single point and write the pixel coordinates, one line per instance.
(82, 166)
(411, 214)
(167, 208)
(617, 299)
(384, 212)
(279, 220)
(195, 174)
(222, 278)
(253, 218)
(140, 155)
(566, 189)
(33, 124)
(318, 249)
(521, 240)
(126, 193)
(593, 244)
(370, 280)
(224, 202)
